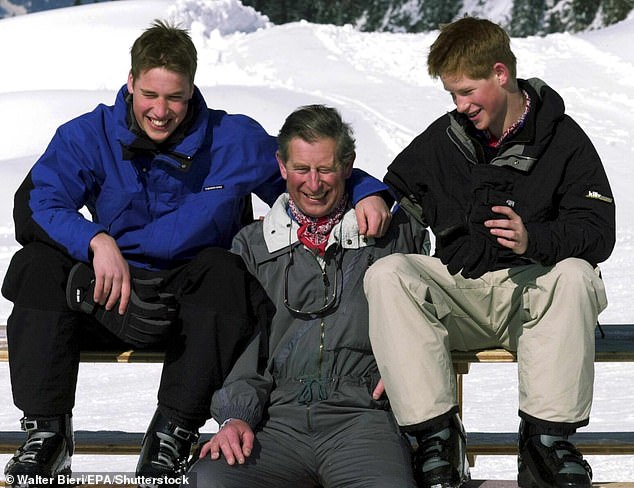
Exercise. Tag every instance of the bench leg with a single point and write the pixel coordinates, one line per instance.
(460, 369)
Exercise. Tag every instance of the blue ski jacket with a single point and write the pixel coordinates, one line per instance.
(161, 203)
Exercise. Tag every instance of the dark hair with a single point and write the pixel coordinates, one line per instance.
(313, 122)
(164, 46)
(470, 47)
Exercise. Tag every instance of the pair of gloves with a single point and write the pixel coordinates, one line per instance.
(468, 247)
(150, 315)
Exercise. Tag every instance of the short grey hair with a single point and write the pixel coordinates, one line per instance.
(313, 122)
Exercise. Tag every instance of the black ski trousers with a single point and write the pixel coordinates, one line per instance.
(220, 307)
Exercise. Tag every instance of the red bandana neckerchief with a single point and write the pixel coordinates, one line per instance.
(313, 232)
(519, 123)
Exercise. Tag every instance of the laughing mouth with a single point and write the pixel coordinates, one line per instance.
(160, 124)
(317, 197)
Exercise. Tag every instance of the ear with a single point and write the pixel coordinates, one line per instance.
(281, 165)
(130, 83)
(348, 171)
(502, 73)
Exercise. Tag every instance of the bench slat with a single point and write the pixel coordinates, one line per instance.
(616, 346)
(589, 443)
(86, 442)
(478, 443)
(130, 356)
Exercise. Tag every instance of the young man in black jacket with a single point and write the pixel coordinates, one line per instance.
(522, 211)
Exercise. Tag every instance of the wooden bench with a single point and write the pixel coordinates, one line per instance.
(617, 345)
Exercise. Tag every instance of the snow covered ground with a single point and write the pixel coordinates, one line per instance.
(60, 63)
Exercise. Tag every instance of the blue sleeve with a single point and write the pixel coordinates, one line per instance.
(253, 152)
(50, 199)
(362, 184)
(271, 184)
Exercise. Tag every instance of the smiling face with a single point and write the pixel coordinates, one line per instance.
(160, 100)
(483, 101)
(315, 181)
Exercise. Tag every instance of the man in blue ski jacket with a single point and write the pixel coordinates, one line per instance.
(168, 183)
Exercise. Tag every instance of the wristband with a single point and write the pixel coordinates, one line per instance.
(225, 423)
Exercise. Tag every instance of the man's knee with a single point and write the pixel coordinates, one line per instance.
(37, 274)
(208, 473)
(582, 282)
(385, 272)
(218, 261)
(574, 269)
(577, 277)
(215, 274)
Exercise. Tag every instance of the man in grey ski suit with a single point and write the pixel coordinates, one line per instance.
(314, 413)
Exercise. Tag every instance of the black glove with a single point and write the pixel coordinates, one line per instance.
(484, 246)
(469, 248)
(481, 257)
(471, 255)
(491, 185)
(148, 319)
(453, 246)
(484, 199)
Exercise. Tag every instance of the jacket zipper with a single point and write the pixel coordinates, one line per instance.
(322, 334)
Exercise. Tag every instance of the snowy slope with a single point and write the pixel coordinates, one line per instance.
(60, 63)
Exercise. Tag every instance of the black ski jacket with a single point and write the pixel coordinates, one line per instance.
(549, 171)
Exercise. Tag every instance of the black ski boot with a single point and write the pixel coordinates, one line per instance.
(549, 461)
(165, 451)
(45, 454)
(440, 461)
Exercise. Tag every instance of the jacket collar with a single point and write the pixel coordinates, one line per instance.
(523, 149)
(280, 230)
(181, 150)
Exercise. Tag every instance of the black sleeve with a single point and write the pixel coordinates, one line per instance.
(585, 225)
(26, 229)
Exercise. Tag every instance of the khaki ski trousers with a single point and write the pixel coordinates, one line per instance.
(419, 313)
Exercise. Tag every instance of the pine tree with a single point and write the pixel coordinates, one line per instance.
(527, 17)
(435, 13)
(584, 12)
(557, 16)
(275, 10)
(375, 16)
(616, 10)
